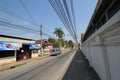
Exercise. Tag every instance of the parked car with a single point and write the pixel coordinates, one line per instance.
(55, 52)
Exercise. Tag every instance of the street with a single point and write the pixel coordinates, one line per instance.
(59, 39)
(51, 68)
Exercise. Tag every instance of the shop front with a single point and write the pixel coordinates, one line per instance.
(8, 51)
(24, 53)
(18, 50)
(14, 49)
(35, 48)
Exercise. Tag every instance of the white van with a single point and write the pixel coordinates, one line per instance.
(55, 52)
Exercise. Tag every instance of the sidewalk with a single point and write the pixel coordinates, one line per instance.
(79, 69)
(22, 62)
(19, 63)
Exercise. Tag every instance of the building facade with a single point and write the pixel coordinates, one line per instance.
(101, 42)
(14, 49)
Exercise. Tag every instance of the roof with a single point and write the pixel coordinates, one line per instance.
(44, 42)
(101, 8)
(39, 41)
(15, 37)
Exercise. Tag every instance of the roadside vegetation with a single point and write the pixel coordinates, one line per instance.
(60, 42)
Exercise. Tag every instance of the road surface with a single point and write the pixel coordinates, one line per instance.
(51, 68)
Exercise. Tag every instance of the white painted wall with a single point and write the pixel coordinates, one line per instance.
(102, 49)
(114, 61)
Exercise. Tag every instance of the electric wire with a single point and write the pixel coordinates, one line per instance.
(27, 11)
(19, 27)
(61, 14)
(64, 15)
(67, 12)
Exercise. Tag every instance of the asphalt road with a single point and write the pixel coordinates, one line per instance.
(51, 68)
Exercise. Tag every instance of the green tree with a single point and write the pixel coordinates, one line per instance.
(59, 33)
(71, 44)
(56, 43)
(66, 44)
(51, 40)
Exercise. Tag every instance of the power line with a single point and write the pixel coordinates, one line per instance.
(6, 11)
(61, 14)
(27, 11)
(19, 27)
(64, 15)
(73, 14)
(68, 14)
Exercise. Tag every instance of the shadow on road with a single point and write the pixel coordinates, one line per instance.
(79, 69)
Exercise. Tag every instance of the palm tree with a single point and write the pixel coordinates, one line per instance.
(59, 33)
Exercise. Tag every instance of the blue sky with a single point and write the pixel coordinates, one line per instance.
(42, 13)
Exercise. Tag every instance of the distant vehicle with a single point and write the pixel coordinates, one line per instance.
(55, 52)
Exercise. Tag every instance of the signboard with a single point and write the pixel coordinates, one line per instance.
(10, 46)
(34, 46)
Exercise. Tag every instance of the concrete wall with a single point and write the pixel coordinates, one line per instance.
(7, 60)
(34, 55)
(45, 52)
(102, 49)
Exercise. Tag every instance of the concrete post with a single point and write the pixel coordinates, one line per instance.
(100, 42)
(15, 55)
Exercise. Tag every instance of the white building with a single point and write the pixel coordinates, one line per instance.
(101, 42)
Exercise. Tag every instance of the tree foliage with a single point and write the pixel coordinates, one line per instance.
(60, 42)
(51, 40)
(71, 44)
(59, 33)
(65, 43)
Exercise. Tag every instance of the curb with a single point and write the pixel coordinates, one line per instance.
(65, 67)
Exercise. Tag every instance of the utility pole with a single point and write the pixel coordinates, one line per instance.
(41, 38)
(60, 43)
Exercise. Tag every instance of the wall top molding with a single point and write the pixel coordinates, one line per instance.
(110, 28)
